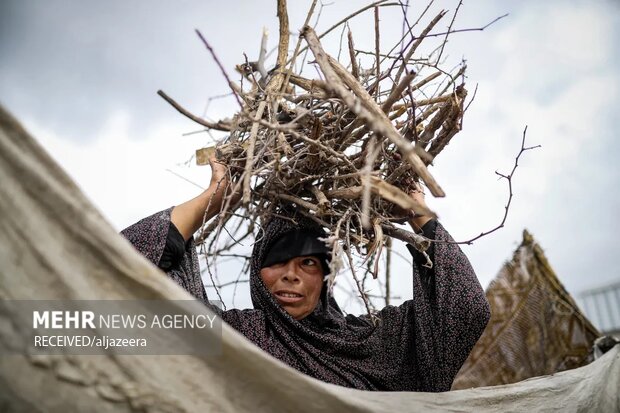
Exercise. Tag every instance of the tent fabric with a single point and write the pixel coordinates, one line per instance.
(536, 328)
(55, 245)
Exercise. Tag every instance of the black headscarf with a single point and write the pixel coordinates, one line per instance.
(299, 243)
(327, 312)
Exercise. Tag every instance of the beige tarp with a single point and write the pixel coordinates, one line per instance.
(536, 328)
(55, 245)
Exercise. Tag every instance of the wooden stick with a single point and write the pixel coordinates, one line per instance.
(357, 282)
(377, 60)
(353, 192)
(450, 126)
(301, 202)
(373, 151)
(289, 71)
(420, 242)
(322, 200)
(277, 81)
(445, 41)
(397, 92)
(355, 71)
(249, 163)
(425, 81)
(311, 85)
(261, 57)
(440, 117)
(426, 102)
(398, 197)
(217, 61)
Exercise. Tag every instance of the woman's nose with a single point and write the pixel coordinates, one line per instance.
(290, 273)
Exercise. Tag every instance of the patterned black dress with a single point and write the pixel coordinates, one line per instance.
(417, 346)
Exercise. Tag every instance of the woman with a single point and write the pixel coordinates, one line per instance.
(417, 346)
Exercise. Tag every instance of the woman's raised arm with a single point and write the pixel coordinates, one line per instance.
(433, 333)
(190, 215)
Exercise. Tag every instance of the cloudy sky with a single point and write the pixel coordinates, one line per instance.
(82, 76)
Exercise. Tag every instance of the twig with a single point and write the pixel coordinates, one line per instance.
(425, 81)
(397, 92)
(223, 126)
(322, 200)
(377, 60)
(472, 99)
(301, 202)
(260, 64)
(474, 29)
(445, 41)
(420, 242)
(226, 284)
(357, 282)
(410, 32)
(277, 80)
(373, 151)
(355, 71)
(220, 66)
(185, 179)
(510, 193)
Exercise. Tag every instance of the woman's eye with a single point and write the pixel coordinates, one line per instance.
(309, 262)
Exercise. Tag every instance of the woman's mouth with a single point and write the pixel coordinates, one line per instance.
(288, 297)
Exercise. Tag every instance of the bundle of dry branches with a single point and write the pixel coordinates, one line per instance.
(345, 148)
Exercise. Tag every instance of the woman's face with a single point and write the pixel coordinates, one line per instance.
(296, 284)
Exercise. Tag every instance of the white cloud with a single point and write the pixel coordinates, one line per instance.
(127, 178)
(545, 44)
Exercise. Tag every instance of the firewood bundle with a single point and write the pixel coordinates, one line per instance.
(345, 147)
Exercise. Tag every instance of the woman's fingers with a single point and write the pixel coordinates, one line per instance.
(220, 180)
(217, 167)
(417, 193)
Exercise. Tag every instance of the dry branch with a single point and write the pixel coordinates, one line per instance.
(221, 125)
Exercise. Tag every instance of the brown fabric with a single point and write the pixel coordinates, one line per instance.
(535, 329)
(417, 346)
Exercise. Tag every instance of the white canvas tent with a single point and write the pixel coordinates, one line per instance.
(55, 245)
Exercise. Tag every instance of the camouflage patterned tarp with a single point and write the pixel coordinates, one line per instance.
(535, 329)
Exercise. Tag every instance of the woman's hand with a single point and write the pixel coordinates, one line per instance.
(190, 216)
(220, 183)
(416, 221)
